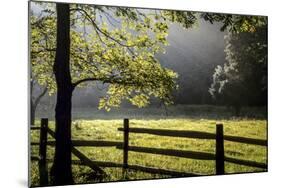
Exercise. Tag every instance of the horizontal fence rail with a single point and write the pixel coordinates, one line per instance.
(245, 162)
(79, 162)
(195, 134)
(172, 152)
(81, 143)
(35, 128)
(245, 140)
(172, 133)
(161, 171)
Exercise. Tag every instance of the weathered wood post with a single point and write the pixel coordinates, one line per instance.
(125, 144)
(219, 150)
(43, 153)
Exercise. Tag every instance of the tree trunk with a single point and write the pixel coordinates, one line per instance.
(61, 173)
(34, 104)
(32, 113)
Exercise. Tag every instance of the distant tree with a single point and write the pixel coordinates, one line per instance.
(243, 78)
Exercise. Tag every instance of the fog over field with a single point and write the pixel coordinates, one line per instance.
(192, 53)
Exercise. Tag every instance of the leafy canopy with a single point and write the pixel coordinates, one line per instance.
(116, 46)
(112, 45)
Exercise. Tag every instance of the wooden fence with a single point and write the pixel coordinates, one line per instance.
(219, 156)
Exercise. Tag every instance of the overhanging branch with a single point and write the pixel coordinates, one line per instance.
(107, 80)
(98, 30)
(83, 80)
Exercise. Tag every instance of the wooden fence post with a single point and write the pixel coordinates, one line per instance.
(125, 144)
(43, 152)
(219, 150)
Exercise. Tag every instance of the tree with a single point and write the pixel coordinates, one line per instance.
(115, 46)
(123, 60)
(243, 78)
(42, 57)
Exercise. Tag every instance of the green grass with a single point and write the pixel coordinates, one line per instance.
(107, 130)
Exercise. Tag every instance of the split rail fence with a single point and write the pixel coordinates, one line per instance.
(96, 166)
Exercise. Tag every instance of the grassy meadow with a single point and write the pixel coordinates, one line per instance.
(106, 129)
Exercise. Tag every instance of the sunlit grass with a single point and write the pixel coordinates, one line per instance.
(107, 130)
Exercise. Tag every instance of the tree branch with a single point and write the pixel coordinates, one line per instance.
(98, 30)
(84, 80)
(40, 96)
(108, 80)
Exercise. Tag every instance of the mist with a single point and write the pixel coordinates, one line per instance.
(192, 53)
